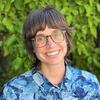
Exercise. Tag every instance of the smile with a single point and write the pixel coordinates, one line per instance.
(53, 53)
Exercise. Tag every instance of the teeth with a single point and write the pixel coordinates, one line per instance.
(52, 53)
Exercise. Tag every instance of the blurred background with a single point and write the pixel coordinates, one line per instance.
(82, 15)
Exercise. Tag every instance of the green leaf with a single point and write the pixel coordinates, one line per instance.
(7, 5)
(93, 31)
(18, 26)
(9, 41)
(27, 1)
(17, 63)
(79, 2)
(84, 29)
(89, 59)
(96, 62)
(8, 23)
(12, 1)
(1, 43)
(6, 50)
(92, 27)
(82, 48)
(91, 2)
(12, 14)
(69, 19)
(19, 4)
(89, 10)
(98, 7)
(1, 6)
(81, 10)
(31, 4)
(7, 44)
(96, 20)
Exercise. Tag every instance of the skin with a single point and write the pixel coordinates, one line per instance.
(52, 57)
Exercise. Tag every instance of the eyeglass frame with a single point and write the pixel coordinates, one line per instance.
(34, 39)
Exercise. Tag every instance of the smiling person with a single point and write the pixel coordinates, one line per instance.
(47, 38)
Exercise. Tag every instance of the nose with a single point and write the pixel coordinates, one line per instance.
(50, 42)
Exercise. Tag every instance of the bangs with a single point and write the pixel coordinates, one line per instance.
(50, 18)
(54, 20)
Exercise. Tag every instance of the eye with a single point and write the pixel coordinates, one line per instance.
(40, 39)
(57, 36)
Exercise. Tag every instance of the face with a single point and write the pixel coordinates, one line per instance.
(51, 52)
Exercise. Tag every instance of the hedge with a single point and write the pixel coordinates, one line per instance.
(82, 15)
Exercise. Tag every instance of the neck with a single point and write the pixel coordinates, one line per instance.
(54, 73)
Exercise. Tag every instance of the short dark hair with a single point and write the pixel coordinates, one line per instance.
(38, 20)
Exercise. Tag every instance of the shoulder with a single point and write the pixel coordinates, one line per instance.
(84, 81)
(20, 80)
(19, 85)
(78, 73)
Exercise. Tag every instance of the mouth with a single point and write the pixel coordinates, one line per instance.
(53, 53)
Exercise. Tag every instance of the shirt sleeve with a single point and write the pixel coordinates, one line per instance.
(9, 93)
(95, 85)
(98, 90)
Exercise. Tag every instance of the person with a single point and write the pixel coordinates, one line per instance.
(48, 38)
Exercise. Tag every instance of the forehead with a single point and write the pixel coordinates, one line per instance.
(47, 31)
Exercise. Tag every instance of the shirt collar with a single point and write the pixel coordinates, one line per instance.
(43, 82)
(68, 72)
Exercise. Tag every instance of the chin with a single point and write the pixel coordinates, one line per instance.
(54, 62)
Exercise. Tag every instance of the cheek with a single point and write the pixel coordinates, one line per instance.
(64, 45)
(38, 52)
(65, 48)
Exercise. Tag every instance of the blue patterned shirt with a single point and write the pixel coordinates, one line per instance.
(33, 85)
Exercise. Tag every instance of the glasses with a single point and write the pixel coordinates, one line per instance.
(41, 40)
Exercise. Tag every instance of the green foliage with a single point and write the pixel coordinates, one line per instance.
(83, 15)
